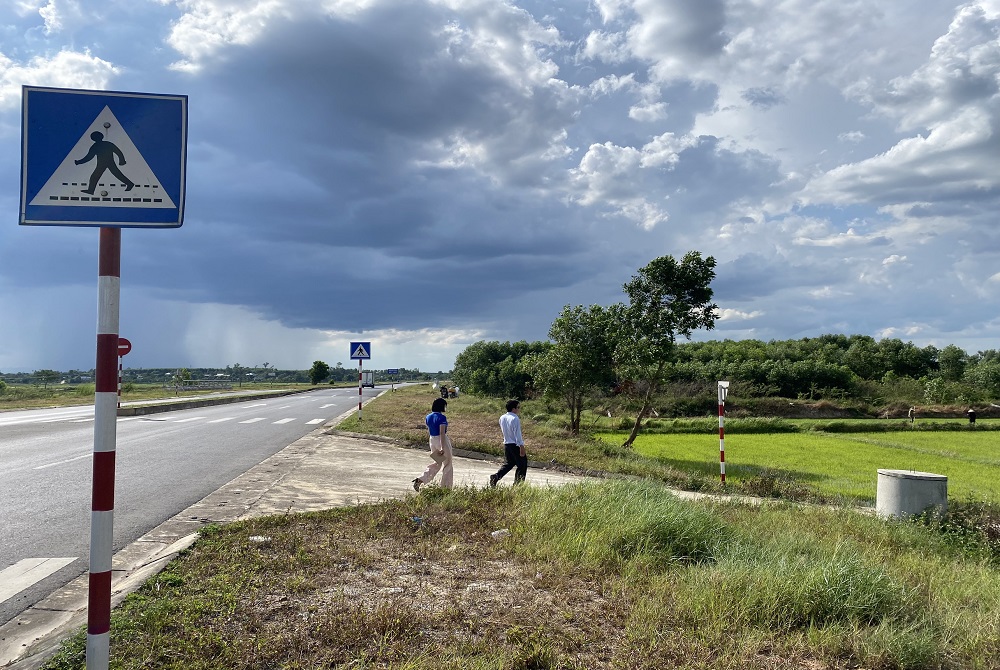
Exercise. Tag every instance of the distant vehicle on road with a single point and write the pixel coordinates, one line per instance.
(368, 379)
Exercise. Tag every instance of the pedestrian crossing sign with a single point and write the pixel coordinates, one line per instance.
(360, 350)
(102, 158)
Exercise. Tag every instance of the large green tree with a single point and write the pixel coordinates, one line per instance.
(579, 359)
(318, 372)
(495, 368)
(667, 299)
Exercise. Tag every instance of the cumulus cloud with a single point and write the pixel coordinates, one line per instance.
(66, 69)
(429, 172)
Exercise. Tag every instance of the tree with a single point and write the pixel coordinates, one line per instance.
(235, 372)
(666, 299)
(494, 368)
(46, 376)
(952, 361)
(318, 372)
(578, 360)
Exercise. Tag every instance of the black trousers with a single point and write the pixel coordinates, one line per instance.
(514, 459)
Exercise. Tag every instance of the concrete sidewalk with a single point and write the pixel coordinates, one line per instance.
(322, 470)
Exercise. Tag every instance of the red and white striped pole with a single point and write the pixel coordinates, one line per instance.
(723, 390)
(359, 388)
(105, 426)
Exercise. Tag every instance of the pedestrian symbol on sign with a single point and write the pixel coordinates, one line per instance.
(360, 351)
(107, 143)
(105, 153)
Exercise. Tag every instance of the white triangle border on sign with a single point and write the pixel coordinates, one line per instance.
(65, 186)
(363, 354)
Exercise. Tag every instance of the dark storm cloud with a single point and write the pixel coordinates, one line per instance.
(460, 170)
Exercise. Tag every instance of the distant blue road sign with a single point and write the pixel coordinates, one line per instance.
(392, 371)
(360, 350)
(102, 158)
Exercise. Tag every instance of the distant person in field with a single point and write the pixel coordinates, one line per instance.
(440, 443)
(105, 153)
(911, 414)
(513, 446)
(972, 416)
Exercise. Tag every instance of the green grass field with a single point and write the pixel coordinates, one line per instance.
(838, 464)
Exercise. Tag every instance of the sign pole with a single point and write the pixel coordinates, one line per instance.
(723, 390)
(105, 427)
(359, 352)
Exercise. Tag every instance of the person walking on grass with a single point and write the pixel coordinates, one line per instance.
(513, 446)
(440, 443)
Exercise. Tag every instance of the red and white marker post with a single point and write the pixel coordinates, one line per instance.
(360, 361)
(723, 390)
(124, 346)
(105, 427)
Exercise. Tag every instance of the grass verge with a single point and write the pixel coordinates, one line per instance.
(612, 575)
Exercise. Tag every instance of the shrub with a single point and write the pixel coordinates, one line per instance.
(745, 426)
(971, 526)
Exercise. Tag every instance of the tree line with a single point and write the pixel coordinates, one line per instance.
(633, 348)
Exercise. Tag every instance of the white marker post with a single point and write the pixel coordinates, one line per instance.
(723, 390)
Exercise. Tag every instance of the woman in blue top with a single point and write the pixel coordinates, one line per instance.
(440, 443)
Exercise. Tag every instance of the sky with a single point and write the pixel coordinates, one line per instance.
(425, 174)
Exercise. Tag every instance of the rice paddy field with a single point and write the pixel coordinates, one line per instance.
(838, 464)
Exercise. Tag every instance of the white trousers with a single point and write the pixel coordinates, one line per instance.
(442, 460)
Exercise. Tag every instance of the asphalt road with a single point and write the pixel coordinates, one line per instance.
(165, 462)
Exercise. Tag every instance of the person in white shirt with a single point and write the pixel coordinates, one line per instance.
(513, 446)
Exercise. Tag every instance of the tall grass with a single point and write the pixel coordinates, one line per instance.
(617, 524)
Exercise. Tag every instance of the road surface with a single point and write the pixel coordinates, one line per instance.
(165, 462)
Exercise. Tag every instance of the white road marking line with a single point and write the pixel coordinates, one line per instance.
(285, 407)
(325, 406)
(28, 572)
(260, 404)
(228, 418)
(260, 418)
(193, 418)
(83, 420)
(314, 422)
(283, 421)
(68, 460)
